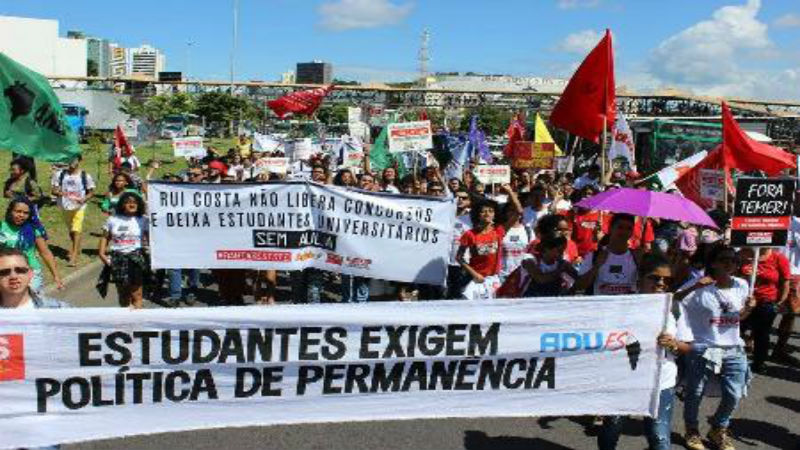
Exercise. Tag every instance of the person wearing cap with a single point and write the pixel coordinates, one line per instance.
(216, 171)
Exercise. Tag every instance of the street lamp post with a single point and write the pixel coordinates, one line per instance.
(235, 39)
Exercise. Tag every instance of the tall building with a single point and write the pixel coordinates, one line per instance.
(119, 65)
(288, 77)
(35, 43)
(99, 52)
(147, 62)
(315, 72)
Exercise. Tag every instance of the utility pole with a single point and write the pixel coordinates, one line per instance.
(189, 45)
(235, 39)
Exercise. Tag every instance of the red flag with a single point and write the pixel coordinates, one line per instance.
(121, 147)
(689, 181)
(423, 115)
(745, 153)
(590, 95)
(303, 102)
(515, 133)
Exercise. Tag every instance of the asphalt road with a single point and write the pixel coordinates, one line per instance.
(769, 419)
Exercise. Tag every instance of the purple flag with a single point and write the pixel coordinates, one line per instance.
(478, 141)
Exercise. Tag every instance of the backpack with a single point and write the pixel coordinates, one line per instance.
(84, 181)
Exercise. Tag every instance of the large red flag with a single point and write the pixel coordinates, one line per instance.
(745, 153)
(303, 102)
(515, 133)
(590, 95)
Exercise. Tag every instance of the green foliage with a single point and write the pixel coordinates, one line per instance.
(493, 121)
(332, 114)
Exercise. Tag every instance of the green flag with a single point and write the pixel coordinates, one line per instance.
(380, 158)
(31, 119)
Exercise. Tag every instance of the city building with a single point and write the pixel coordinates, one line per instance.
(147, 62)
(99, 55)
(288, 77)
(315, 72)
(36, 44)
(119, 65)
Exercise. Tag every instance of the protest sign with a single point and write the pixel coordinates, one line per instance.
(82, 374)
(266, 143)
(351, 152)
(533, 155)
(271, 165)
(188, 147)
(493, 174)
(712, 184)
(299, 149)
(762, 212)
(410, 136)
(294, 225)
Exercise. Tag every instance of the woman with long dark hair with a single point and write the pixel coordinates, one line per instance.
(120, 183)
(22, 230)
(126, 239)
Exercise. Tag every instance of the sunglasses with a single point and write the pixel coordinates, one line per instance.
(659, 279)
(17, 270)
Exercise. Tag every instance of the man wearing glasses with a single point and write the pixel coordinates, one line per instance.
(15, 280)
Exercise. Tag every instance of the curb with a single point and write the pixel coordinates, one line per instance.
(73, 277)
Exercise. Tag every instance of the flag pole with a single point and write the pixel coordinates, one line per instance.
(603, 151)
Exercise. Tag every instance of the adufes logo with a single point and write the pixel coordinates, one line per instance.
(12, 358)
(594, 341)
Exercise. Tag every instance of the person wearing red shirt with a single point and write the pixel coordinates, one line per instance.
(585, 230)
(485, 238)
(771, 293)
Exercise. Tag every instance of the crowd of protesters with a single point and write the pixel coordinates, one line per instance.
(525, 238)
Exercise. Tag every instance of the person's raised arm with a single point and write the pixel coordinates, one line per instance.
(49, 260)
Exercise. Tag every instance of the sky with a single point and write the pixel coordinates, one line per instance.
(741, 48)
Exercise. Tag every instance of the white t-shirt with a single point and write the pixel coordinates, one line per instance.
(562, 205)
(391, 189)
(126, 233)
(669, 370)
(72, 189)
(792, 249)
(616, 277)
(462, 224)
(513, 247)
(712, 314)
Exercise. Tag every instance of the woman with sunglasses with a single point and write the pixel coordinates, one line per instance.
(713, 310)
(655, 277)
(22, 230)
(126, 239)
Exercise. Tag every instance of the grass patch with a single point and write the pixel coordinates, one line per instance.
(95, 163)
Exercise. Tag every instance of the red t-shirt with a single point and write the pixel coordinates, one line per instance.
(770, 272)
(583, 228)
(484, 250)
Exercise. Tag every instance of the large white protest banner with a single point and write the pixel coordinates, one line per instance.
(81, 374)
(294, 225)
(188, 147)
(410, 136)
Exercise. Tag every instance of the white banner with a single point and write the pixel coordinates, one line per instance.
(81, 374)
(410, 136)
(188, 147)
(622, 152)
(493, 174)
(271, 165)
(266, 143)
(295, 225)
(300, 149)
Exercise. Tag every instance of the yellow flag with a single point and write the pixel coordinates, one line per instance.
(542, 135)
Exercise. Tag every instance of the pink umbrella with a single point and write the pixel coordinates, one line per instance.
(643, 203)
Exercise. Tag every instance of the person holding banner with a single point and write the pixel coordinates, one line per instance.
(713, 310)
(655, 277)
(126, 237)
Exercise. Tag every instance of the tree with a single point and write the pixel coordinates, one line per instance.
(332, 114)
(493, 121)
(224, 108)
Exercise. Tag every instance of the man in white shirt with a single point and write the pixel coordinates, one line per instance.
(611, 270)
(74, 188)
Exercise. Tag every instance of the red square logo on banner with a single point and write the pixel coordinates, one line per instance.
(12, 357)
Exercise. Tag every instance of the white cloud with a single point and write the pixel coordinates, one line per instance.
(353, 14)
(723, 56)
(573, 4)
(581, 42)
(790, 20)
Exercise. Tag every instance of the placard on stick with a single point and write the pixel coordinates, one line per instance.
(762, 212)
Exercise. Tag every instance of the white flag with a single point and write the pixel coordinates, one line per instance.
(622, 147)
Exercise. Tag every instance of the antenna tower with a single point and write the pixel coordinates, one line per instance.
(424, 55)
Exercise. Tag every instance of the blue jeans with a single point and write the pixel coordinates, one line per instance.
(307, 285)
(355, 289)
(658, 430)
(733, 377)
(176, 281)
